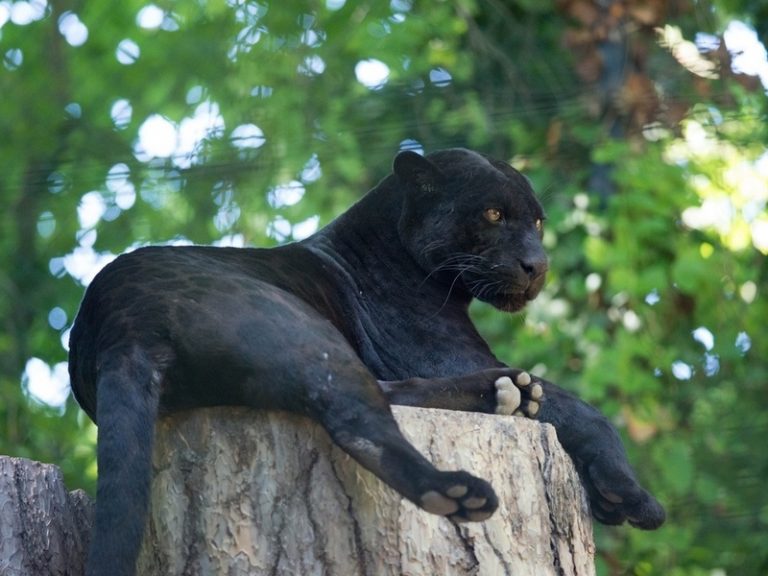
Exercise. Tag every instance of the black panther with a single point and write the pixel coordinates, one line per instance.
(369, 311)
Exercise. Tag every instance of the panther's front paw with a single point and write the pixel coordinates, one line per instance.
(460, 496)
(615, 496)
(522, 395)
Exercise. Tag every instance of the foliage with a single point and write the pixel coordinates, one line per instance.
(654, 180)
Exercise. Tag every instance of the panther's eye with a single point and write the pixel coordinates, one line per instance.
(493, 215)
(539, 224)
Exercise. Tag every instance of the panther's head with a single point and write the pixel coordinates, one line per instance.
(474, 224)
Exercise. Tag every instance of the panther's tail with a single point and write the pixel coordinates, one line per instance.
(127, 400)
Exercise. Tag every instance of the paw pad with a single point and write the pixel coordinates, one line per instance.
(436, 503)
(521, 397)
(457, 491)
(471, 502)
(532, 409)
(508, 397)
(471, 516)
(474, 503)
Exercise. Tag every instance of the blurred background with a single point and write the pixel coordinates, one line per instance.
(642, 125)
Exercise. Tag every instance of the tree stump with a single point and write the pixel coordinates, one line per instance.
(239, 492)
(44, 530)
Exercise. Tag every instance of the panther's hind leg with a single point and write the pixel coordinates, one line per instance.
(358, 418)
(127, 401)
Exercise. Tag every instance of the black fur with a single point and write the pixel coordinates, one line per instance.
(369, 311)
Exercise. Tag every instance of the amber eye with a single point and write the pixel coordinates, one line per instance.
(492, 215)
(539, 224)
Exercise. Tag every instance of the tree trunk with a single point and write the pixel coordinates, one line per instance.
(238, 491)
(44, 530)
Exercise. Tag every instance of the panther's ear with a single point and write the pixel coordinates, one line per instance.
(415, 169)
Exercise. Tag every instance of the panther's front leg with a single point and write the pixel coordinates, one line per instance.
(494, 391)
(598, 453)
(588, 437)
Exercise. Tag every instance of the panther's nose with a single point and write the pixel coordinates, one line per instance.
(534, 268)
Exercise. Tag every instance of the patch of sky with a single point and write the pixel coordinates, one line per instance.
(46, 384)
(412, 145)
(23, 13)
(248, 37)
(313, 38)
(46, 224)
(119, 184)
(230, 241)
(150, 17)
(159, 137)
(282, 230)
(711, 364)
(86, 238)
(247, 136)
(261, 91)
(74, 31)
(226, 217)
(400, 5)
(83, 263)
(248, 12)
(73, 110)
(13, 59)
(334, 5)
(223, 193)
(279, 229)
(56, 182)
(372, 73)
(306, 21)
(121, 113)
(127, 52)
(56, 267)
(91, 208)
(194, 95)
(305, 228)
(743, 343)
(748, 54)
(57, 318)
(440, 77)
(312, 170)
(312, 66)
(206, 122)
(111, 213)
(681, 370)
(703, 336)
(286, 194)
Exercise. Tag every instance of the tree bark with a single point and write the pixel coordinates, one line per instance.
(44, 530)
(238, 491)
